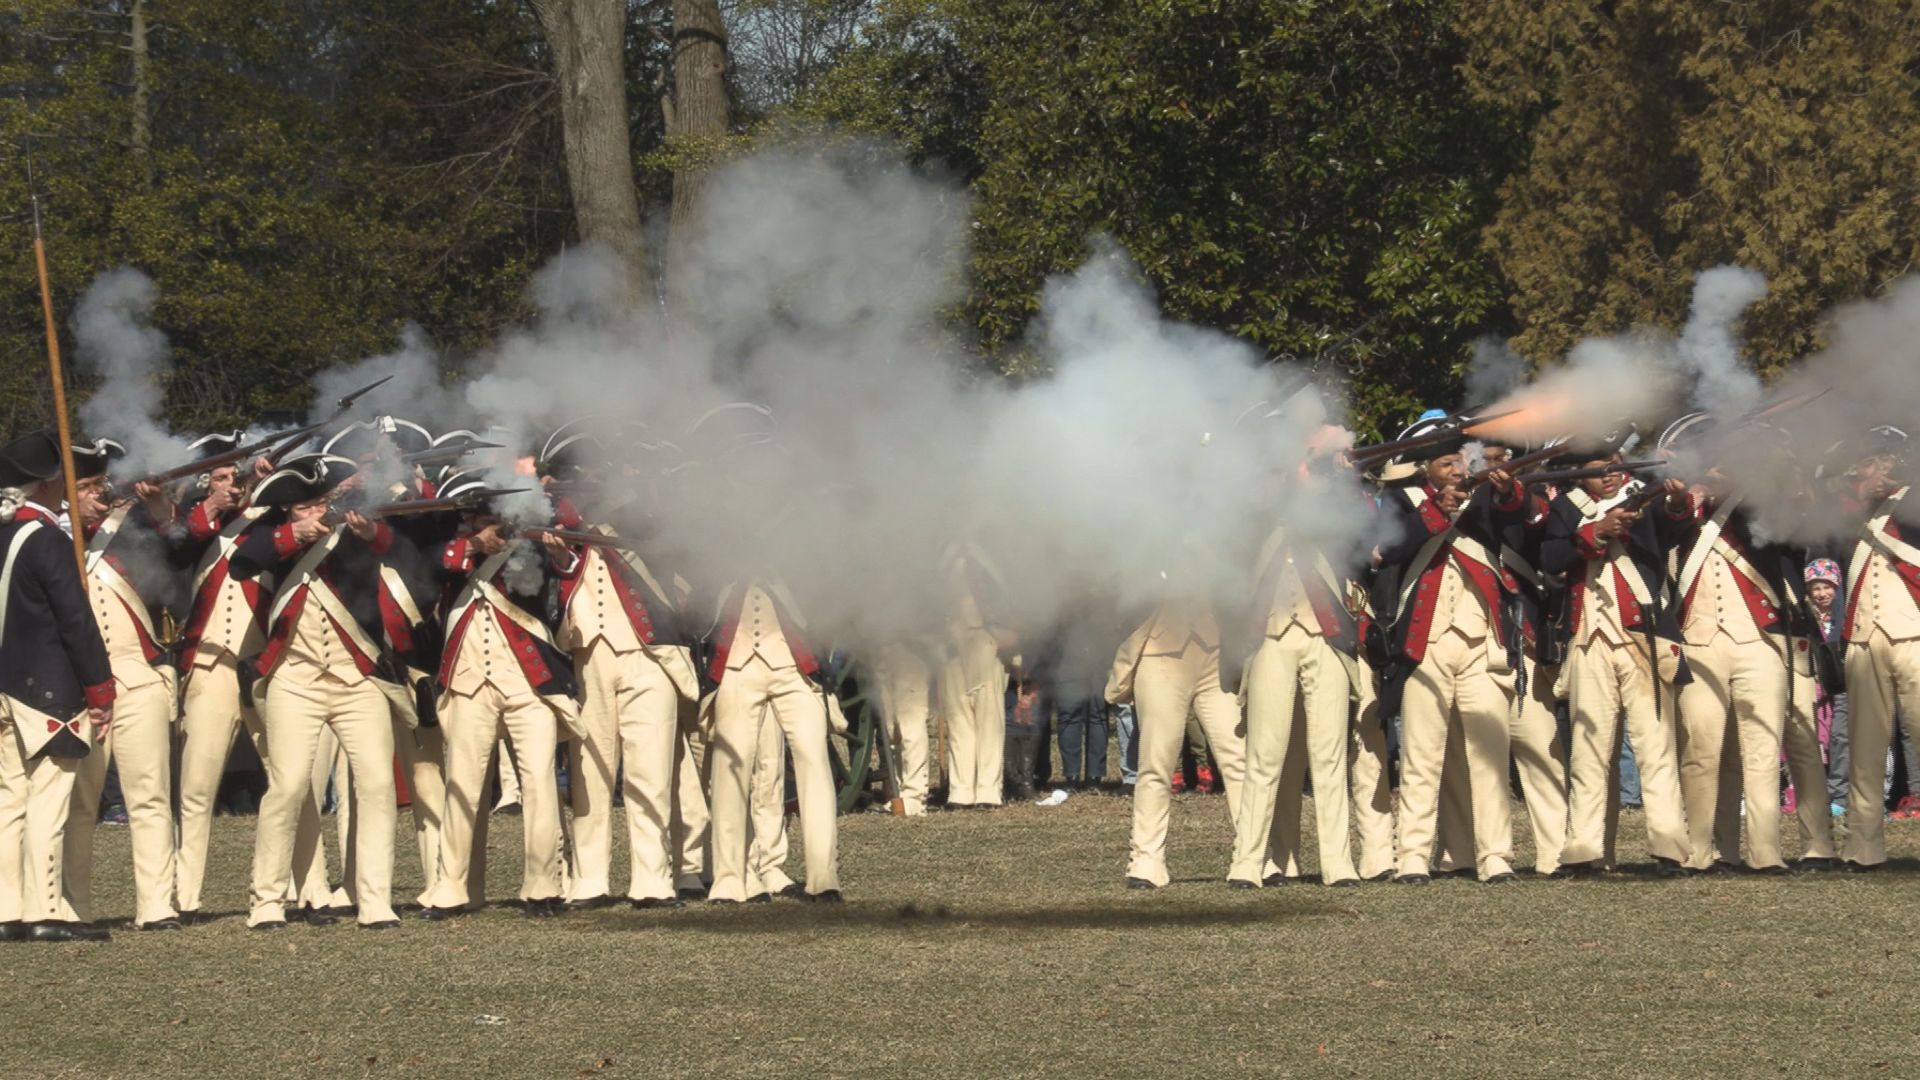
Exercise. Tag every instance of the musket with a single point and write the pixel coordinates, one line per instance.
(1457, 424)
(1524, 461)
(231, 457)
(340, 409)
(402, 507)
(1591, 472)
(575, 536)
(440, 455)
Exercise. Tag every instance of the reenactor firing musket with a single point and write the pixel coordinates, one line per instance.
(1524, 461)
(1593, 472)
(466, 501)
(231, 457)
(572, 536)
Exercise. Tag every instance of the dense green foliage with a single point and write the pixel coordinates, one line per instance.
(1360, 185)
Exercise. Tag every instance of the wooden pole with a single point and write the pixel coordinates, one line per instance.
(59, 390)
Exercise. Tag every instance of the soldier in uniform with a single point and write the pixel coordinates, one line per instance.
(411, 633)
(767, 675)
(1748, 634)
(974, 681)
(1299, 688)
(501, 673)
(129, 582)
(621, 621)
(56, 693)
(322, 668)
(1456, 647)
(1881, 629)
(1170, 667)
(225, 630)
(1533, 729)
(905, 678)
(1623, 658)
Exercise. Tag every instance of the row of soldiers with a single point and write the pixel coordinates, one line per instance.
(333, 600)
(328, 610)
(1665, 610)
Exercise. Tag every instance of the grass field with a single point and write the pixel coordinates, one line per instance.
(1003, 944)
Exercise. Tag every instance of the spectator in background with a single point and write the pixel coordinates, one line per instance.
(1830, 702)
(1125, 732)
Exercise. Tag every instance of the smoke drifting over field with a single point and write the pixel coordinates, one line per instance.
(1152, 456)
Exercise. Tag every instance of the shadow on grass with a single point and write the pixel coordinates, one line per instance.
(788, 916)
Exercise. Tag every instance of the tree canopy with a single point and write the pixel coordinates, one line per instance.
(1361, 186)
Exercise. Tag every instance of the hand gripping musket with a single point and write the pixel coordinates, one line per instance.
(1524, 461)
(340, 409)
(1453, 426)
(404, 507)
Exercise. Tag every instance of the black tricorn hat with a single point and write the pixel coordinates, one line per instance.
(304, 478)
(1452, 444)
(91, 459)
(29, 459)
(361, 437)
(1577, 450)
(215, 443)
(571, 446)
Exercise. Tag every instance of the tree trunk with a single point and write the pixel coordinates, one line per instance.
(697, 118)
(588, 39)
(140, 139)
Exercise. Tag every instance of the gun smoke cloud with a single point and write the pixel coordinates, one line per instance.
(119, 345)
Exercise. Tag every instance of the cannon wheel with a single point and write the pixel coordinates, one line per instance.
(853, 775)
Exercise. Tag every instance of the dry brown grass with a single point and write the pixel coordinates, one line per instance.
(1002, 944)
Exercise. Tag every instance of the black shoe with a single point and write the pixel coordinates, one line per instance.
(158, 924)
(1413, 879)
(1380, 877)
(959, 806)
(688, 892)
(591, 903)
(438, 914)
(1721, 868)
(1503, 878)
(1140, 883)
(270, 924)
(793, 891)
(66, 931)
(509, 810)
(827, 896)
(651, 903)
(194, 917)
(1816, 865)
(1570, 870)
(13, 931)
(1852, 867)
(383, 924)
(313, 916)
(1236, 883)
(1274, 881)
(343, 911)
(545, 908)
(1772, 871)
(1667, 868)
(760, 898)
(1344, 883)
